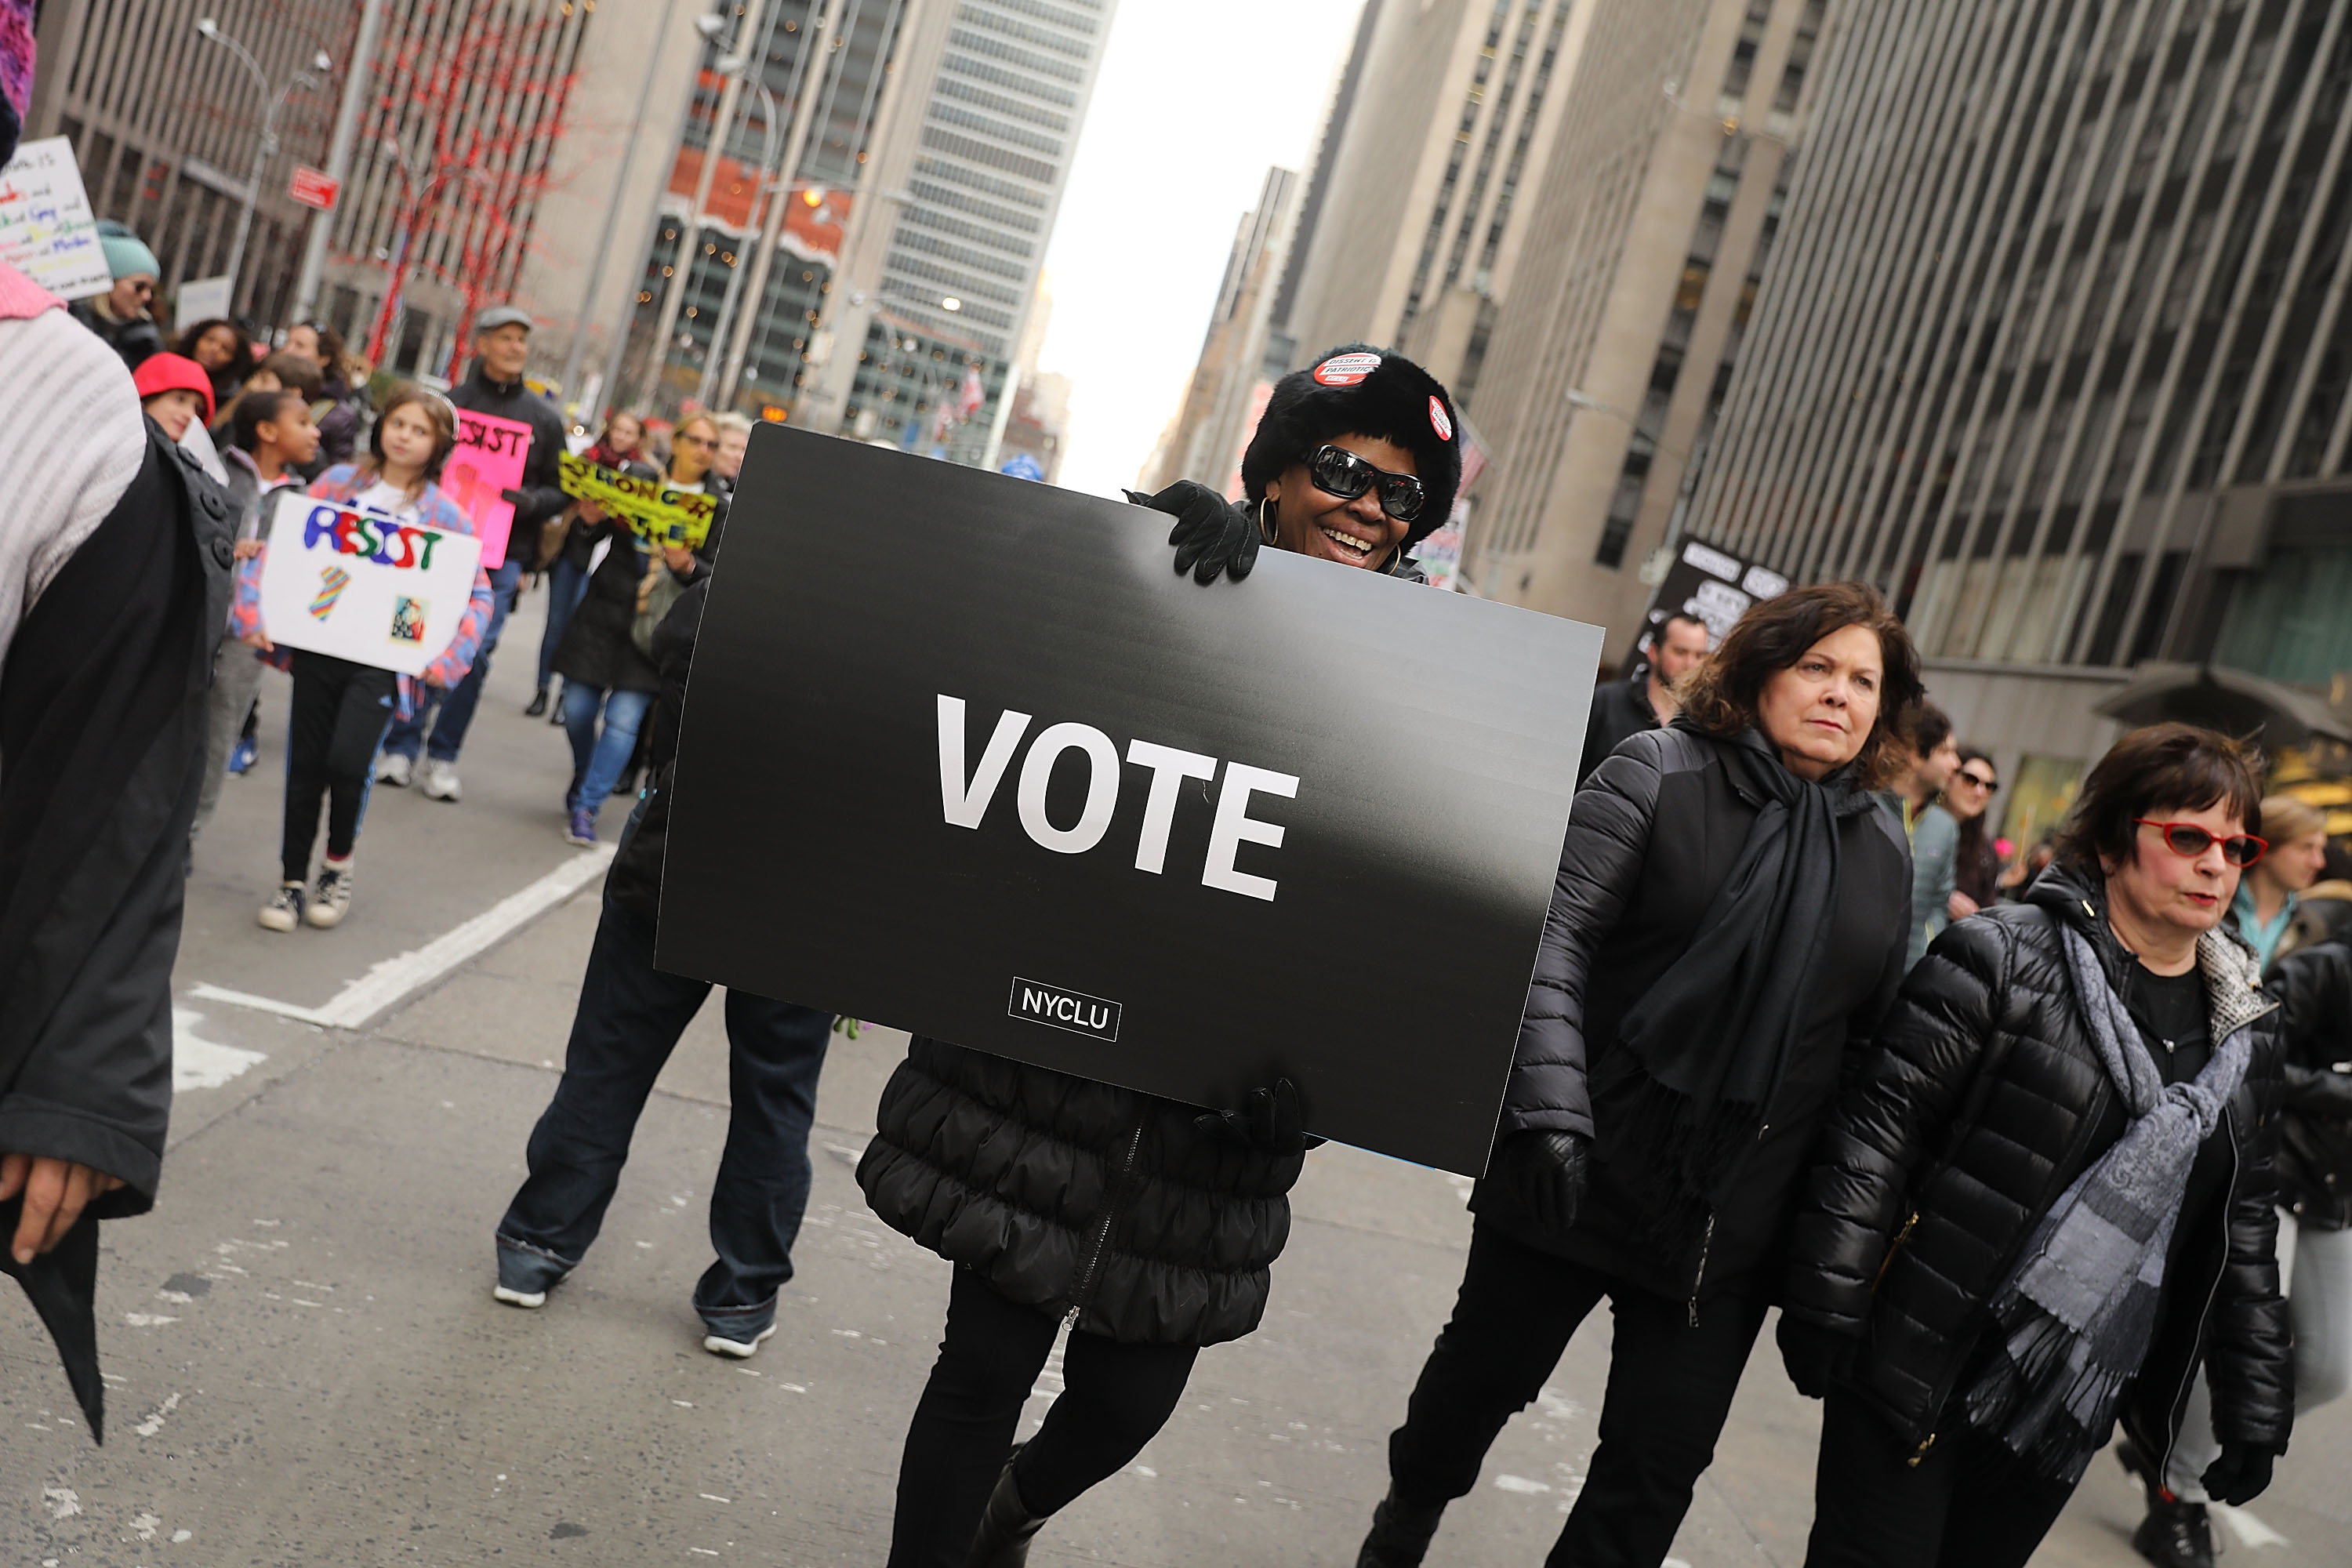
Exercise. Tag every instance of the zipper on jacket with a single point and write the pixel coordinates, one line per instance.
(1894, 1246)
(1082, 1289)
(1706, 1240)
(2180, 1394)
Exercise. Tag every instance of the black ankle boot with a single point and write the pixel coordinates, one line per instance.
(538, 704)
(1005, 1528)
(1401, 1533)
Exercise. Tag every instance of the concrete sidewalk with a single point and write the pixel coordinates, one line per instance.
(305, 1365)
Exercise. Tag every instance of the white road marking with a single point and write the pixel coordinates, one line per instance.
(200, 1063)
(1520, 1484)
(394, 979)
(154, 1423)
(2250, 1530)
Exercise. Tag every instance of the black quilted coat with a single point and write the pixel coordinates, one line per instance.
(1652, 837)
(1984, 1099)
(2313, 988)
(1068, 1194)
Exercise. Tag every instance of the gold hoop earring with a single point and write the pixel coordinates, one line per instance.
(1265, 526)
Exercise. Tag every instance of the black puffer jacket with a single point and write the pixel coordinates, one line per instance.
(1984, 1099)
(1653, 836)
(2314, 988)
(1065, 1193)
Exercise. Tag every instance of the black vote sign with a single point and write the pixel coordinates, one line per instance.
(963, 755)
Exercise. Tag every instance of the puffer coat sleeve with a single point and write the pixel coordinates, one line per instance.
(1929, 1051)
(1600, 867)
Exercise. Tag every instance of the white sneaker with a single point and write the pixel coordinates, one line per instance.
(440, 780)
(283, 912)
(742, 1350)
(514, 1298)
(332, 898)
(393, 769)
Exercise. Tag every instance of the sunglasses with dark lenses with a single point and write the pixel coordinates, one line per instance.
(1341, 472)
(1990, 786)
(2188, 841)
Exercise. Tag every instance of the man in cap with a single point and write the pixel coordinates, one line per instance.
(119, 315)
(495, 385)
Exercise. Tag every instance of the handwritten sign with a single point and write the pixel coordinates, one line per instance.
(659, 514)
(354, 582)
(488, 460)
(47, 229)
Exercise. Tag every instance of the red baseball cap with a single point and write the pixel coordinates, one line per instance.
(164, 373)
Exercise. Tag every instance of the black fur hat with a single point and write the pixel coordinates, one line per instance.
(1359, 390)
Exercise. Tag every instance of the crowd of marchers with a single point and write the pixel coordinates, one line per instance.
(2004, 1135)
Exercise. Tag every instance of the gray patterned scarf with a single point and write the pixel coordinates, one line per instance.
(2076, 1313)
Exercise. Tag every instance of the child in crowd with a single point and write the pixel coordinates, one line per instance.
(341, 709)
(271, 436)
(175, 390)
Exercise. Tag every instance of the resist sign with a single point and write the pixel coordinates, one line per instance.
(343, 580)
(962, 753)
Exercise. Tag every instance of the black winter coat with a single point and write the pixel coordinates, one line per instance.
(1620, 708)
(1983, 1102)
(597, 648)
(1068, 1194)
(2314, 988)
(634, 881)
(1653, 836)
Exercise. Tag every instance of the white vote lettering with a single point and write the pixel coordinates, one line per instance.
(964, 805)
(1102, 787)
(1169, 768)
(1235, 826)
(964, 801)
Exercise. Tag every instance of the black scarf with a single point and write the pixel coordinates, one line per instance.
(1680, 1094)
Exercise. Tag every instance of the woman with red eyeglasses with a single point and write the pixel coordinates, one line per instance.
(2047, 1196)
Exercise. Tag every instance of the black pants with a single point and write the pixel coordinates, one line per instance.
(1967, 1503)
(1115, 1399)
(340, 712)
(629, 1020)
(1670, 1388)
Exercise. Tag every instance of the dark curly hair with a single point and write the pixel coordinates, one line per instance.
(2165, 767)
(1720, 695)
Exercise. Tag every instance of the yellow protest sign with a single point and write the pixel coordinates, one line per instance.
(659, 513)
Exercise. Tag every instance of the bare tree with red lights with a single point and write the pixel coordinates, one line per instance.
(472, 100)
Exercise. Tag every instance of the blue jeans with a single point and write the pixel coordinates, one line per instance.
(565, 584)
(457, 706)
(629, 1019)
(597, 760)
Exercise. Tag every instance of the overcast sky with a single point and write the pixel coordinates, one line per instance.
(1196, 100)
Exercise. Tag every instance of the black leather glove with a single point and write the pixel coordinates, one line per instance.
(515, 497)
(1815, 1356)
(1545, 1171)
(2319, 1093)
(2240, 1475)
(1211, 534)
(1271, 1120)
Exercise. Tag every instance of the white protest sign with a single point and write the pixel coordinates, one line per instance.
(47, 229)
(347, 581)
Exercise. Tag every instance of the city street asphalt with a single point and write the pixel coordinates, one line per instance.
(304, 1365)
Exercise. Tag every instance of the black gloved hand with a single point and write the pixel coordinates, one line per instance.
(1544, 1173)
(1815, 1356)
(2240, 1475)
(1211, 534)
(1272, 1121)
(514, 497)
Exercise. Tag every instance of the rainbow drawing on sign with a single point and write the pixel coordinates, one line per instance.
(331, 583)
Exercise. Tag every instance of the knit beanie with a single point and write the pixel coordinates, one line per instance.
(127, 255)
(162, 373)
(1359, 390)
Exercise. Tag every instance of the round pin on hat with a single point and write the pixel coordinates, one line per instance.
(1346, 370)
(1438, 421)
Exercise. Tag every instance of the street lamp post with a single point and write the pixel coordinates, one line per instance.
(769, 180)
(268, 148)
